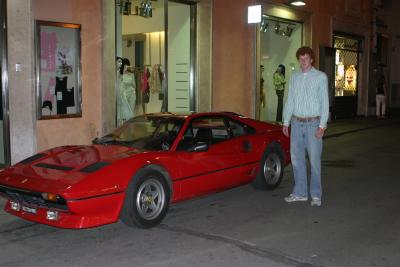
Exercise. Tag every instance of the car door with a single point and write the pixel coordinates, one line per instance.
(217, 168)
(243, 138)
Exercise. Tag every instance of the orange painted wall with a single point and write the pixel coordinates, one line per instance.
(82, 130)
(233, 57)
(233, 82)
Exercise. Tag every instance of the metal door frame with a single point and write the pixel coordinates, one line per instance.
(4, 83)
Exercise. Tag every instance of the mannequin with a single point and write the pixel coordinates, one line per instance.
(127, 92)
(279, 83)
(262, 91)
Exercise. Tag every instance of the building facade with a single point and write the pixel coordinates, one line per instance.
(116, 59)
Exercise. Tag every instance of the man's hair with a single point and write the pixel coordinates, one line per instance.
(305, 50)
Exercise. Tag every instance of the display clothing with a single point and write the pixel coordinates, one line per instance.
(61, 87)
(127, 97)
(262, 93)
(279, 83)
(279, 108)
(155, 81)
(145, 87)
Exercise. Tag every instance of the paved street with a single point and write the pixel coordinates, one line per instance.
(357, 225)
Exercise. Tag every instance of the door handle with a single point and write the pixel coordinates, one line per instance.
(246, 146)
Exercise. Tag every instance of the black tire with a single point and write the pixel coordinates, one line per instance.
(270, 174)
(146, 201)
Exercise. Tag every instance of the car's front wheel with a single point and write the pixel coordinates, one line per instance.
(271, 169)
(146, 201)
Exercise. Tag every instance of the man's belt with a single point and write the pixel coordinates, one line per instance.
(305, 119)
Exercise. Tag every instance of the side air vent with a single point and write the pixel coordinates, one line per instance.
(54, 167)
(94, 167)
(32, 158)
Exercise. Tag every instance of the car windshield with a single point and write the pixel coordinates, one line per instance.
(145, 132)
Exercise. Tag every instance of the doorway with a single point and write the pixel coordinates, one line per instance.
(347, 54)
(279, 40)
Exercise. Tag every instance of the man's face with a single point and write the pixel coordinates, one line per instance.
(305, 62)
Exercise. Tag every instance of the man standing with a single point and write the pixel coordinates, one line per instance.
(306, 111)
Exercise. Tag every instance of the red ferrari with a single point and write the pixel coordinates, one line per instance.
(137, 171)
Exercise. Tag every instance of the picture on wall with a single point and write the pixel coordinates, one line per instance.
(58, 70)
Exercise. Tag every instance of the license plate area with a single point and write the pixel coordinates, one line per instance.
(29, 209)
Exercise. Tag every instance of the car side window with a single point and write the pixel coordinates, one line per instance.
(239, 129)
(210, 130)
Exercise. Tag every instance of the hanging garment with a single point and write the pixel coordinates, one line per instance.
(146, 86)
(61, 86)
(69, 97)
(127, 97)
(155, 83)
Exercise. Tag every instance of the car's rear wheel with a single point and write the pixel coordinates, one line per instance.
(270, 174)
(146, 201)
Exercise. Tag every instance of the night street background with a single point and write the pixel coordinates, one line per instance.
(357, 224)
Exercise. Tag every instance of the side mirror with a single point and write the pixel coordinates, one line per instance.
(199, 147)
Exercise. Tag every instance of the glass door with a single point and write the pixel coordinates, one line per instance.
(279, 40)
(347, 50)
(181, 47)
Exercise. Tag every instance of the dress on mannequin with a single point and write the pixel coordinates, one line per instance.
(127, 95)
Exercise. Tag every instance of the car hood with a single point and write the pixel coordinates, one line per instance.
(57, 169)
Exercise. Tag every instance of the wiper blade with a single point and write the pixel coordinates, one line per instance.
(109, 141)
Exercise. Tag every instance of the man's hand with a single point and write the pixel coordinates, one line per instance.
(285, 130)
(320, 132)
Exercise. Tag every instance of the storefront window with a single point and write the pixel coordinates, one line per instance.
(346, 65)
(153, 70)
(279, 41)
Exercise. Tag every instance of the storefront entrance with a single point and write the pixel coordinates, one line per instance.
(279, 41)
(347, 50)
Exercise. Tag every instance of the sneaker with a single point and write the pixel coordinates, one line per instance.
(294, 198)
(316, 201)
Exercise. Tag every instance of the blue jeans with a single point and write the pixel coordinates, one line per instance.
(303, 140)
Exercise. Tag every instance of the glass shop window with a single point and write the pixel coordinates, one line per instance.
(346, 65)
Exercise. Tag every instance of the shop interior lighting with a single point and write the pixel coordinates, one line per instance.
(277, 27)
(143, 8)
(282, 27)
(264, 24)
(297, 3)
(288, 31)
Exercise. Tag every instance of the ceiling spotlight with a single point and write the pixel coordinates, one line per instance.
(289, 30)
(145, 9)
(277, 27)
(125, 7)
(297, 3)
(264, 25)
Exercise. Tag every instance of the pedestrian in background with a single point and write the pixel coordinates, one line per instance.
(306, 111)
(381, 98)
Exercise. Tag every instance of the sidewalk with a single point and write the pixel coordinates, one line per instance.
(342, 126)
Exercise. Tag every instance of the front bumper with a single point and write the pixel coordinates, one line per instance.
(82, 213)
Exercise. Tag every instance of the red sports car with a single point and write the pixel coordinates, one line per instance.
(134, 173)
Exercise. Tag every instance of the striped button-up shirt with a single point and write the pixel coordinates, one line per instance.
(308, 96)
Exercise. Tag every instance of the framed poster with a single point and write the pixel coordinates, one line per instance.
(58, 61)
